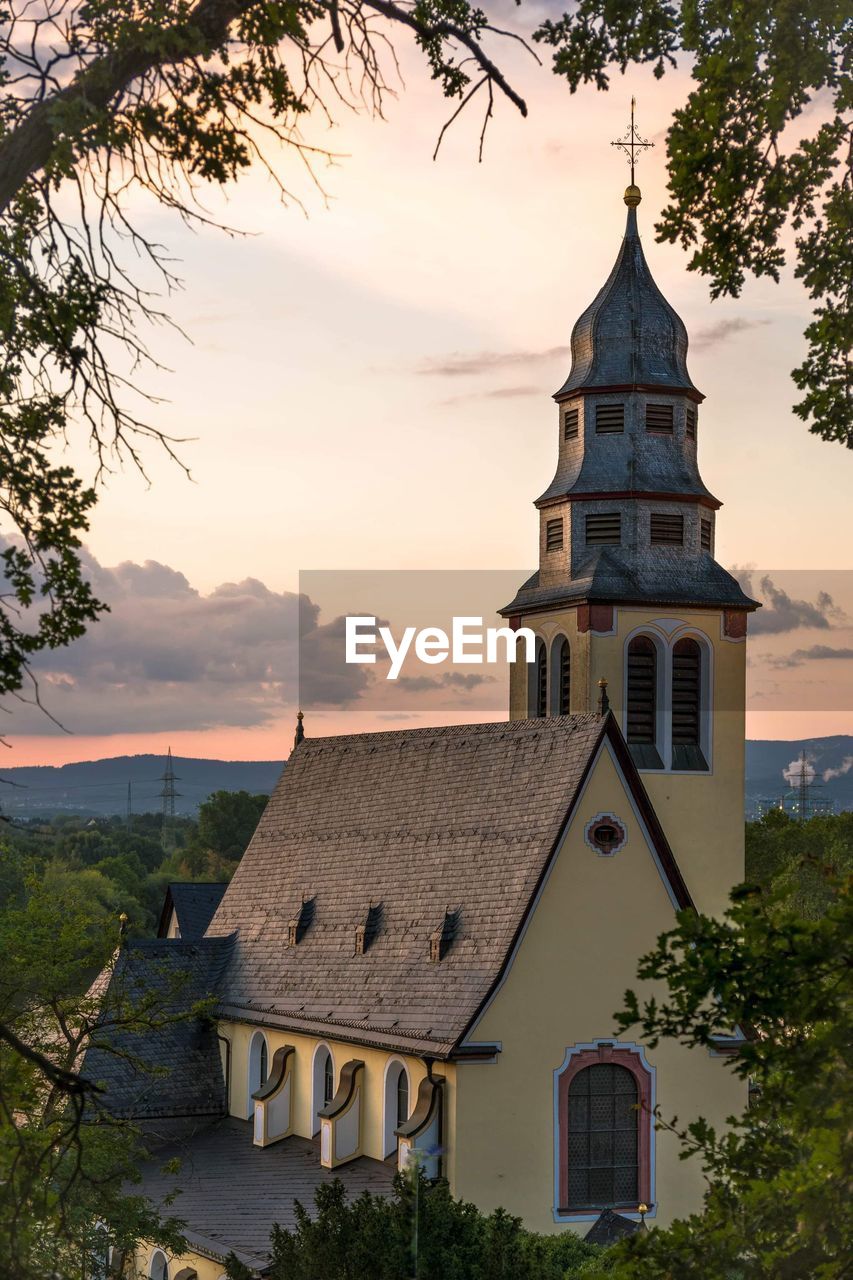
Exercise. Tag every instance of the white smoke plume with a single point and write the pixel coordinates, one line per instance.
(845, 767)
(795, 771)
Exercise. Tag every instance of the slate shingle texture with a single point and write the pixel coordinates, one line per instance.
(421, 822)
(194, 904)
(163, 976)
(231, 1192)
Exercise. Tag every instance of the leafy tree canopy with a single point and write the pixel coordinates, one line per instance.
(102, 100)
(778, 1205)
(227, 821)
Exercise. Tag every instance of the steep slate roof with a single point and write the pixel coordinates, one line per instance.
(666, 577)
(423, 822)
(231, 1192)
(629, 335)
(194, 904)
(163, 977)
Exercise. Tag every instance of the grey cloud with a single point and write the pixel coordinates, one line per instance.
(449, 680)
(817, 653)
(713, 334)
(457, 364)
(167, 656)
(782, 612)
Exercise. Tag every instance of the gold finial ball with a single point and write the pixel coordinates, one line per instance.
(633, 196)
(123, 918)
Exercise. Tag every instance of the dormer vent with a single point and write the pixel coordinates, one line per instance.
(300, 924)
(368, 929)
(441, 941)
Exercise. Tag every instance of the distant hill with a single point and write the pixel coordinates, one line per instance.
(99, 787)
(766, 761)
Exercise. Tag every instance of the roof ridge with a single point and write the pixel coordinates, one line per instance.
(486, 728)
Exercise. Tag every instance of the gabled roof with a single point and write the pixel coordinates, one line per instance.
(629, 335)
(424, 822)
(172, 1066)
(194, 903)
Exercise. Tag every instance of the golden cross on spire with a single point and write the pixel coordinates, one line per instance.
(632, 142)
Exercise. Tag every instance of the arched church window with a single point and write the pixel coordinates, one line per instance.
(539, 682)
(561, 676)
(258, 1065)
(641, 702)
(603, 1137)
(328, 1081)
(159, 1267)
(687, 705)
(402, 1097)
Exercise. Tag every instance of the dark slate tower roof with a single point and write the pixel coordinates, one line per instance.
(629, 336)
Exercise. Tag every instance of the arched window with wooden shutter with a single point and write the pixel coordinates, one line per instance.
(538, 683)
(561, 677)
(687, 707)
(641, 702)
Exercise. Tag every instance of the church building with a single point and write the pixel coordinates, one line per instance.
(420, 954)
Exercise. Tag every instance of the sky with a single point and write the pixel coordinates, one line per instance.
(366, 385)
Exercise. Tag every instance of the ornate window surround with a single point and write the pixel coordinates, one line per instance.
(253, 1063)
(393, 1067)
(318, 1064)
(623, 1054)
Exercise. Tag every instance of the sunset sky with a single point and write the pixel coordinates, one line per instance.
(368, 387)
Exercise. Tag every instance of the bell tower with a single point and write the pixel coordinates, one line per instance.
(627, 588)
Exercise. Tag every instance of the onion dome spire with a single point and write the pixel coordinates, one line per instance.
(629, 337)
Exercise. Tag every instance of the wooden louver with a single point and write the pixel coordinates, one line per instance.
(659, 418)
(666, 530)
(554, 534)
(541, 681)
(686, 693)
(570, 424)
(609, 419)
(641, 723)
(705, 535)
(604, 529)
(565, 679)
(690, 422)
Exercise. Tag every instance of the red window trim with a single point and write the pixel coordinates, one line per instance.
(621, 1057)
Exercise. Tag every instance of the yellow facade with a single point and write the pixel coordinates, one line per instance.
(701, 812)
(595, 917)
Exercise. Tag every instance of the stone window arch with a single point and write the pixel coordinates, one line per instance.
(605, 1122)
(397, 1098)
(561, 676)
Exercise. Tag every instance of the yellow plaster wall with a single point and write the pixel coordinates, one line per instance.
(373, 1087)
(702, 813)
(595, 917)
(205, 1267)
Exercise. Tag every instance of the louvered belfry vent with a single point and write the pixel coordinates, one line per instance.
(554, 534)
(366, 932)
(666, 530)
(641, 726)
(659, 418)
(705, 534)
(604, 529)
(570, 424)
(609, 419)
(565, 687)
(690, 422)
(686, 693)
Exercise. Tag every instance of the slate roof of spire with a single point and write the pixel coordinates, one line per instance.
(629, 335)
(462, 819)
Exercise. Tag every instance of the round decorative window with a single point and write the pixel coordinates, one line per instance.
(605, 834)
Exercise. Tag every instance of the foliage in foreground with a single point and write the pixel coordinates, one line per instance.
(65, 1165)
(419, 1230)
(779, 1203)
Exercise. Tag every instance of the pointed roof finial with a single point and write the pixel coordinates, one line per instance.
(632, 143)
(603, 700)
(300, 732)
(122, 928)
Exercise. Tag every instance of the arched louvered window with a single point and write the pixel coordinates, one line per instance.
(603, 1138)
(687, 705)
(540, 689)
(641, 723)
(561, 676)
